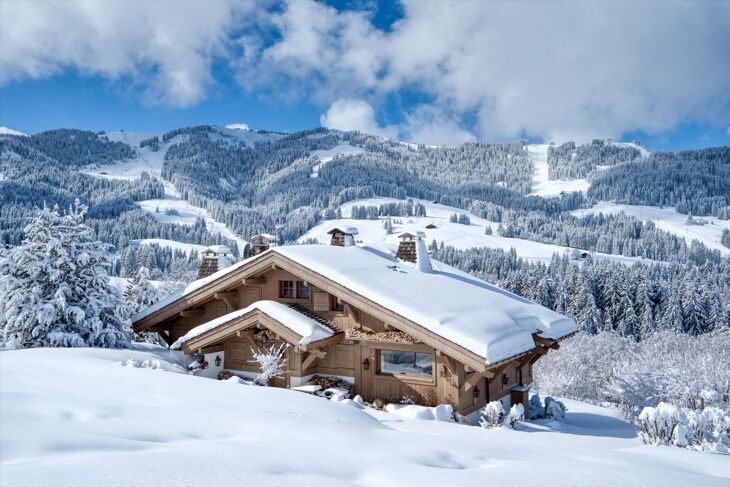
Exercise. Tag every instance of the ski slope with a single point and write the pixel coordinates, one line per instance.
(669, 220)
(454, 234)
(541, 183)
(8, 131)
(151, 162)
(96, 417)
(326, 156)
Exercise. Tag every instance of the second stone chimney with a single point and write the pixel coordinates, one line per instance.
(215, 258)
(262, 242)
(412, 248)
(343, 237)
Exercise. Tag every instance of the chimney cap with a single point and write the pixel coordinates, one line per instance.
(264, 236)
(346, 231)
(217, 249)
(412, 235)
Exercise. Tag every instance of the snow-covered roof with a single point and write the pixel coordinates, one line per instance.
(413, 233)
(218, 249)
(484, 319)
(266, 236)
(345, 230)
(304, 326)
(480, 317)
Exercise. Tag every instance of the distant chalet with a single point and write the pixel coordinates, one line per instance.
(392, 326)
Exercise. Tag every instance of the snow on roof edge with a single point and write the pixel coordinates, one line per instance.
(304, 326)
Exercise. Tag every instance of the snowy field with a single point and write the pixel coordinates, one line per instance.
(669, 220)
(91, 417)
(454, 234)
(541, 183)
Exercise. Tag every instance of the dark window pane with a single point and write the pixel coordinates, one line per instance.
(303, 291)
(287, 289)
(406, 363)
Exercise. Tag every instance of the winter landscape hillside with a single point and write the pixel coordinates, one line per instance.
(364, 243)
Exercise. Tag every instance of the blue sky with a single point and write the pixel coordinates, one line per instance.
(428, 72)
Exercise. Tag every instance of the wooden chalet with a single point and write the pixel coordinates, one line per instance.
(390, 326)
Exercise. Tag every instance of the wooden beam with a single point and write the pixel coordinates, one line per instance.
(192, 313)
(547, 342)
(311, 357)
(336, 338)
(165, 334)
(253, 281)
(472, 380)
(448, 362)
(230, 298)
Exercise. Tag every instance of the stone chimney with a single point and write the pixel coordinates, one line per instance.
(262, 242)
(343, 238)
(412, 248)
(215, 258)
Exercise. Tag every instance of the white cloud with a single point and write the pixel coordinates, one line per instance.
(353, 114)
(554, 69)
(164, 48)
(557, 70)
(238, 126)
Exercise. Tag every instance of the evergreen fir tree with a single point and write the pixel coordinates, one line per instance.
(54, 287)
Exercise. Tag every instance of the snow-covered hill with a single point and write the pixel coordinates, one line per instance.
(541, 183)
(707, 230)
(8, 131)
(151, 161)
(457, 235)
(73, 417)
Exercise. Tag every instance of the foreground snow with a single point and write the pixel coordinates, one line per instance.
(669, 220)
(73, 417)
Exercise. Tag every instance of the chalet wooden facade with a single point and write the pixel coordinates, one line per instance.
(391, 328)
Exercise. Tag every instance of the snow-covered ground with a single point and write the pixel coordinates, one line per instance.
(669, 220)
(454, 234)
(326, 156)
(151, 162)
(541, 183)
(73, 417)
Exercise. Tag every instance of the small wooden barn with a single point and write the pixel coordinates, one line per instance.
(390, 326)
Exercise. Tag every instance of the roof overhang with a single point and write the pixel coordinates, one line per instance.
(272, 259)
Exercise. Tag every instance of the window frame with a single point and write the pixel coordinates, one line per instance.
(335, 305)
(299, 286)
(426, 379)
(283, 286)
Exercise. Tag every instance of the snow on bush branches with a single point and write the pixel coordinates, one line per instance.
(690, 372)
(54, 287)
(666, 424)
(271, 362)
(493, 415)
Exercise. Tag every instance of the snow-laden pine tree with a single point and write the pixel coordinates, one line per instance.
(54, 287)
(138, 295)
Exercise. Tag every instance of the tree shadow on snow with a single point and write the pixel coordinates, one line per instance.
(582, 424)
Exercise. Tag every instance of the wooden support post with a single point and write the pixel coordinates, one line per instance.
(165, 334)
(472, 380)
(311, 357)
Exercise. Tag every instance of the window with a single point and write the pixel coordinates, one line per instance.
(302, 290)
(336, 304)
(286, 289)
(413, 364)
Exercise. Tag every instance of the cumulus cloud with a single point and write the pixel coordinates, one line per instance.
(495, 70)
(164, 48)
(353, 114)
(552, 69)
(238, 126)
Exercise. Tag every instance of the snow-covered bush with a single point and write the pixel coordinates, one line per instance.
(516, 414)
(554, 409)
(271, 362)
(54, 287)
(536, 408)
(691, 372)
(671, 425)
(492, 415)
